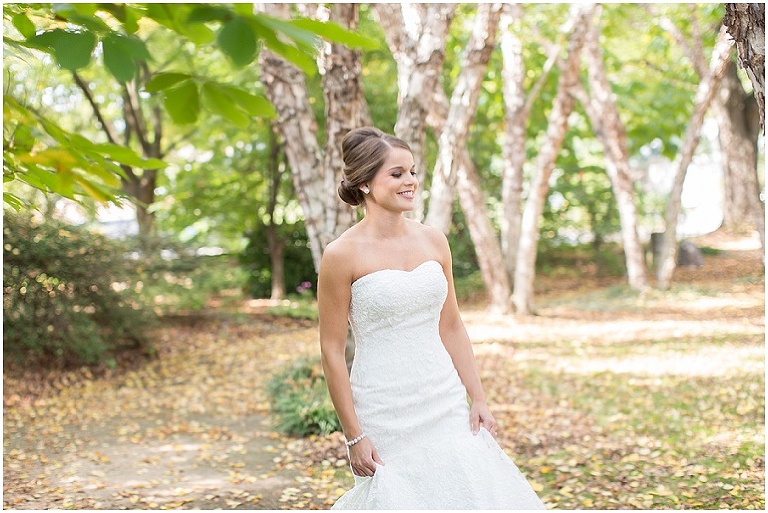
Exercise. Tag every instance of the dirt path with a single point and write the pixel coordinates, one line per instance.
(188, 430)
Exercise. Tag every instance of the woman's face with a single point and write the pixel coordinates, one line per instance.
(394, 185)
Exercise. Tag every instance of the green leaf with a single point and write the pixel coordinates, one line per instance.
(336, 33)
(23, 25)
(119, 63)
(290, 53)
(306, 39)
(209, 13)
(163, 81)
(222, 104)
(253, 104)
(14, 201)
(127, 156)
(122, 53)
(238, 41)
(72, 50)
(183, 102)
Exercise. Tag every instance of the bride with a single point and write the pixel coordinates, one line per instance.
(414, 440)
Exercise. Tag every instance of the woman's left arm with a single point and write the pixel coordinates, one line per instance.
(456, 341)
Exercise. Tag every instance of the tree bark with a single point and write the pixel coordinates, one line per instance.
(419, 49)
(557, 126)
(313, 170)
(416, 34)
(463, 105)
(517, 108)
(604, 115)
(275, 243)
(746, 24)
(738, 122)
(704, 95)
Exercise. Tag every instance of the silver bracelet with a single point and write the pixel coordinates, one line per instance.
(352, 442)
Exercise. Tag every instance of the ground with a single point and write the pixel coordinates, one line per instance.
(606, 399)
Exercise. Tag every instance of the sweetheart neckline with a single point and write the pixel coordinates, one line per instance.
(394, 270)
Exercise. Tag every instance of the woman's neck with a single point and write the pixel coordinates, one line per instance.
(383, 224)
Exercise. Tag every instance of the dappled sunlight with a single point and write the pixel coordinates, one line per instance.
(703, 360)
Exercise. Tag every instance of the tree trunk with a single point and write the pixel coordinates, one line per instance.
(312, 169)
(345, 109)
(517, 108)
(739, 129)
(738, 122)
(419, 49)
(483, 236)
(418, 46)
(746, 24)
(604, 114)
(704, 95)
(557, 126)
(463, 105)
(275, 243)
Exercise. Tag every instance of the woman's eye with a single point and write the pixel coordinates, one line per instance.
(413, 173)
(397, 175)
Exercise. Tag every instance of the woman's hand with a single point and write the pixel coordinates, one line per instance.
(480, 415)
(363, 458)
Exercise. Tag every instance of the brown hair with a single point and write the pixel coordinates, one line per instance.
(364, 151)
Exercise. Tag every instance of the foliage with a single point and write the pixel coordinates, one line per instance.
(68, 294)
(297, 257)
(72, 34)
(300, 399)
(172, 278)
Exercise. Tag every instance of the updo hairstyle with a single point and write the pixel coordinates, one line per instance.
(364, 151)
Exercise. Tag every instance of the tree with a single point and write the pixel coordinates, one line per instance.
(607, 125)
(746, 24)
(463, 104)
(419, 51)
(704, 95)
(325, 215)
(557, 126)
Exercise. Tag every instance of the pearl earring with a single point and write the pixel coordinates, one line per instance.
(366, 190)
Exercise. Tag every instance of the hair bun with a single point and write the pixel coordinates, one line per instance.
(349, 194)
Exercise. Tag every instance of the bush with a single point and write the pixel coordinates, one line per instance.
(300, 399)
(66, 295)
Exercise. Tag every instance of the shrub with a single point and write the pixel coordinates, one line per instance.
(300, 399)
(65, 296)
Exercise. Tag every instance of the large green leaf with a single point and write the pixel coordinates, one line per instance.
(336, 33)
(127, 156)
(237, 40)
(163, 81)
(253, 104)
(183, 102)
(209, 13)
(307, 40)
(222, 104)
(290, 53)
(72, 50)
(14, 201)
(24, 25)
(121, 55)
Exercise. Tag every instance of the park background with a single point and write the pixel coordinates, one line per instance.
(169, 188)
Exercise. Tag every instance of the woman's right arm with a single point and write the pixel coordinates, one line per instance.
(333, 298)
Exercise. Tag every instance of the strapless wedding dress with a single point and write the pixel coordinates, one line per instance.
(411, 403)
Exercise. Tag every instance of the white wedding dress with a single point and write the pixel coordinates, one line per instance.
(412, 405)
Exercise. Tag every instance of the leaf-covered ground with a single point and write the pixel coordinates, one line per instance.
(606, 400)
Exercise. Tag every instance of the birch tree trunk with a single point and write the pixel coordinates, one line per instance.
(746, 24)
(463, 105)
(738, 122)
(704, 95)
(604, 115)
(423, 103)
(416, 34)
(517, 108)
(312, 169)
(557, 126)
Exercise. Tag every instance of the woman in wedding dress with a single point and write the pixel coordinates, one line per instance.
(414, 439)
